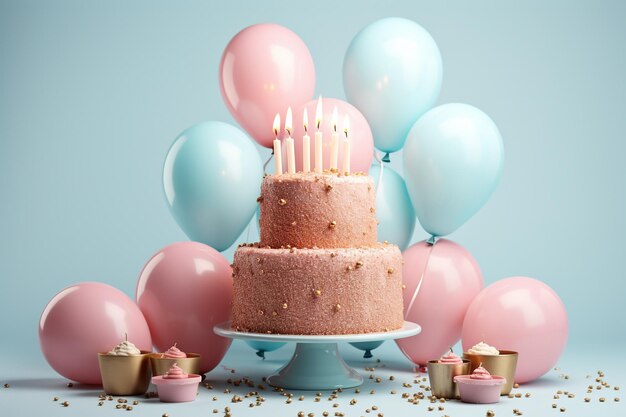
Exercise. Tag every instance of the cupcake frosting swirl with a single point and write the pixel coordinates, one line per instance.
(480, 373)
(483, 348)
(174, 353)
(450, 358)
(125, 348)
(175, 372)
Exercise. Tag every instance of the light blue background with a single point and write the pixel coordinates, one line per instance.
(92, 94)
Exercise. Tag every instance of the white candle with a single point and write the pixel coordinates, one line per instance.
(291, 155)
(278, 154)
(306, 144)
(346, 146)
(319, 165)
(334, 142)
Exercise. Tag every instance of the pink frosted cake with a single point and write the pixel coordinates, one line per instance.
(318, 268)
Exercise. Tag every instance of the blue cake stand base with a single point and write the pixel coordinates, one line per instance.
(316, 363)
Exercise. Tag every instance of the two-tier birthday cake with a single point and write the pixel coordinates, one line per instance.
(318, 268)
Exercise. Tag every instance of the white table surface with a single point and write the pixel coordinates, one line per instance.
(33, 385)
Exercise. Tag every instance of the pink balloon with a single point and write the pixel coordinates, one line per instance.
(183, 291)
(520, 314)
(265, 68)
(362, 141)
(451, 280)
(85, 319)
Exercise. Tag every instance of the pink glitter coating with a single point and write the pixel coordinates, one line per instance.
(324, 291)
(298, 209)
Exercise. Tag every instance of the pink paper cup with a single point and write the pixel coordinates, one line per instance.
(479, 391)
(177, 390)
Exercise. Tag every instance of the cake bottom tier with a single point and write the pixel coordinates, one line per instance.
(317, 291)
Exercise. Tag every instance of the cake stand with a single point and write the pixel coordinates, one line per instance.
(316, 363)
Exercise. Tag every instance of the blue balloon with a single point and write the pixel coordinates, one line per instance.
(453, 161)
(367, 347)
(212, 175)
(261, 347)
(392, 73)
(394, 210)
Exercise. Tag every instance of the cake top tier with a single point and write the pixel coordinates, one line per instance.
(329, 210)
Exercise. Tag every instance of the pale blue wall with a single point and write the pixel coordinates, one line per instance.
(93, 93)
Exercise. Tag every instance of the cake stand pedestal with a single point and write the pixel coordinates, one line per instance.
(316, 363)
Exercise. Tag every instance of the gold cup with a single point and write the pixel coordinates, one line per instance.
(125, 375)
(502, 365)
(160, 366)
(441, 376)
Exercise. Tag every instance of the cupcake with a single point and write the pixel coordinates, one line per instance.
(442, 371)
(162, 362)
(480, 387)
(125, 370)
(176, 386)
(497, 362)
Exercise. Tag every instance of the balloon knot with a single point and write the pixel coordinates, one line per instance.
(386, 158)
(261, 354)
(432, 240)
(367, 354)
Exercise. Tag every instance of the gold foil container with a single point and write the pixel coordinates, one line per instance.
(503, 364)
(442, 375)
(160, 366)
(125, 375)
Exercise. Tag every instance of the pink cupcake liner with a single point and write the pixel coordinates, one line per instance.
(479, 391)
(177, 390)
